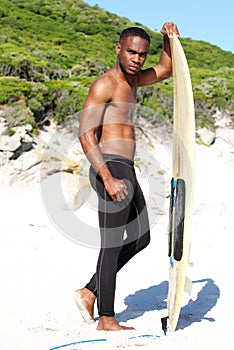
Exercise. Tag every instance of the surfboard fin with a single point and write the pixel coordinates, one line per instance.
(164, 324)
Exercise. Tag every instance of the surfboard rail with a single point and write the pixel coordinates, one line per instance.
(183, 173)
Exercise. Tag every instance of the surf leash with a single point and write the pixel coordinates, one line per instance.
(103, 340)
(79, 342)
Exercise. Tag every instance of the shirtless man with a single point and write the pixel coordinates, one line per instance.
(108, 139)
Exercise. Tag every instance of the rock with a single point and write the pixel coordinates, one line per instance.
(3, 127)
(74, 190)
(71, 166)
(26, 139)
(10, 143)
(27, 160)
(28, 127)
(17, 143)
(206, 136)
(4, 157)
(223, 120)
(7, 178)
(31, 175)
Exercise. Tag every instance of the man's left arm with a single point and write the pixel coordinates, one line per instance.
(163, 69)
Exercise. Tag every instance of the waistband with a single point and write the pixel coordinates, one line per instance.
(117, 158)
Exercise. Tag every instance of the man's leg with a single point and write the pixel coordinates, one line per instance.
(85, 300)
(114, 254)
(138, 237)
(137, 229)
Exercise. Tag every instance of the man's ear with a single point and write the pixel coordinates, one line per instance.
(117, 48)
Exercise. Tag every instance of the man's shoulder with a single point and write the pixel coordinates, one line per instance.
(105, 84)
(105, 79)
(102, 89)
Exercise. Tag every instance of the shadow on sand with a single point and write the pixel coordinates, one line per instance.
(154, 298)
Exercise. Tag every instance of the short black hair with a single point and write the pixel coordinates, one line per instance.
(134, 31)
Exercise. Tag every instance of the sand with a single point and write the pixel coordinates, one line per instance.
(41, 267)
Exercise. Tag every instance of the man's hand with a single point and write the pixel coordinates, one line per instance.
(169, 28)
(116, 189)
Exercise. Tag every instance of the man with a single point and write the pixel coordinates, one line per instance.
(108, 140)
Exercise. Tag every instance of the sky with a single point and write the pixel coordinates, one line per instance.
(206, 20)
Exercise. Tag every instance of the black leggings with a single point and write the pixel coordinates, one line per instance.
(124, 228)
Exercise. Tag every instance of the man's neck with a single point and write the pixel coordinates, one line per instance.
(124, 77)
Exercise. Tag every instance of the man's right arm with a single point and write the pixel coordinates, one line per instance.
(90, 121)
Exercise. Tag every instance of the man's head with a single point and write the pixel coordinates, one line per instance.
(134, 31)
(132, 50)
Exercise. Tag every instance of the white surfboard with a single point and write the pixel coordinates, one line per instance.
(183, 180)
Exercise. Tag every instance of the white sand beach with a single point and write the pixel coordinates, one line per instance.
(41, 268)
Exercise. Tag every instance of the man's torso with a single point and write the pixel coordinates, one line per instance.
(116, 134)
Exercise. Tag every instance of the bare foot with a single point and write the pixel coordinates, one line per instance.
(85, 300)
(107, 323)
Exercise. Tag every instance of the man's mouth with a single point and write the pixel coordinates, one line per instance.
(134, 68)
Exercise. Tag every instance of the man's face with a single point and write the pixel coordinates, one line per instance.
(132, 53)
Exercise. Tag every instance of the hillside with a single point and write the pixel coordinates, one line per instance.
(52, 50)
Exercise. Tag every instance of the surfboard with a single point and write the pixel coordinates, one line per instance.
(182, 183)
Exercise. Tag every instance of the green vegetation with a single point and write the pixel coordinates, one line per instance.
(52, 50)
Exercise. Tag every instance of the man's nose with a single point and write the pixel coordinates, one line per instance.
(136, 58)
